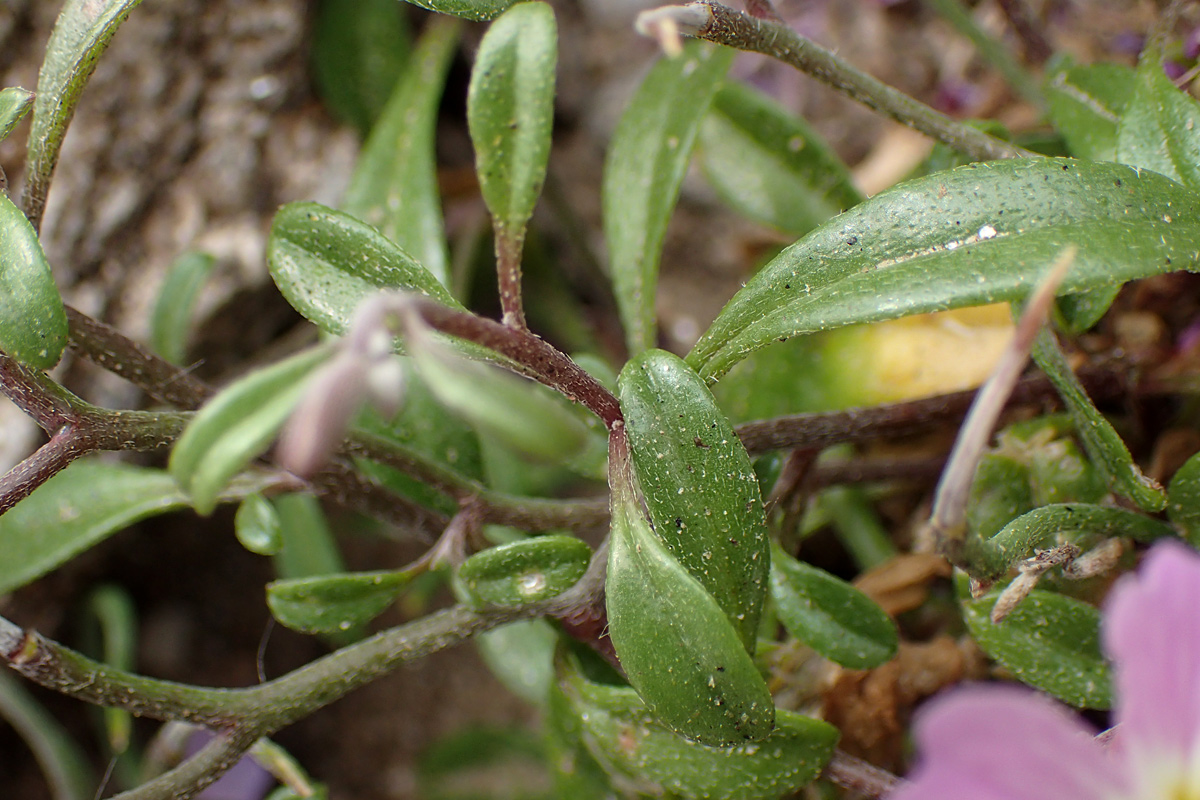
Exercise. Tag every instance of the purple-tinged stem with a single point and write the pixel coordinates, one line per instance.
(543, 361)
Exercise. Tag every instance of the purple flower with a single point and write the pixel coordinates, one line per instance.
(1008, 743)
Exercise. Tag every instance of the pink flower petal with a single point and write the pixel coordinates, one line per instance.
(1006, 743)
(1152, 634)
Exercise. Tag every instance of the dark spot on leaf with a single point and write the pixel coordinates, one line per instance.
(853, 240)
(700, 443)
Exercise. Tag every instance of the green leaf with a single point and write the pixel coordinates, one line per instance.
(1184, 494)
(238, 425)
(1085, 105)
(82, 32)
(770, 165)
(520, 655)
(1159, 128)
(333, 603)
(257, 526)
(14, 103)
(78, 508)
(1000, 492)
(857, 526)
(1103, 444)
(326, 262)
(116, 619)
(1048, 641)
(478, 10)
(678, 648)
(623, 736)
(577, 774)
(359, 49)
(524, 572)
(698, 483)
(829, 615)
(64, 764)
(644, 170)
(33, 322)
(1077, 313)
(977, 234)
(510, 112)
(394, 185)
(518, 413)
(171, 321)
(308, 545)
(1083, 524)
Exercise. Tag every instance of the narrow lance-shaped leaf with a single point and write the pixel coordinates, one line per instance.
(510, 112)
(308, 548)
(770, 165)
(1083, 524)
(976, 234)
(829, 615)
(519, 655)
(116, 619)
(359, 50)
(698, 483)
(621, 734)
(14, 102)
(394, 186)
(82, 32)
(1103, 444)
(61, 760)
(678, 648)
(477, 10)
(1048, 641)
(326, 262)
(1159, 128)
(76, 509)
(236, 426)
(643, 173)
(1085, 105)
(171, 322)
(33, 321)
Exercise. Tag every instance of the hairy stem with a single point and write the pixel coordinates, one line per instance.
(723, 25)
(48, 404)
(527, 513)
(264, 708)
(508, 273)
(914, 416)
(107, 347)
(544, 362)
(198, 772)
(20, 481)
